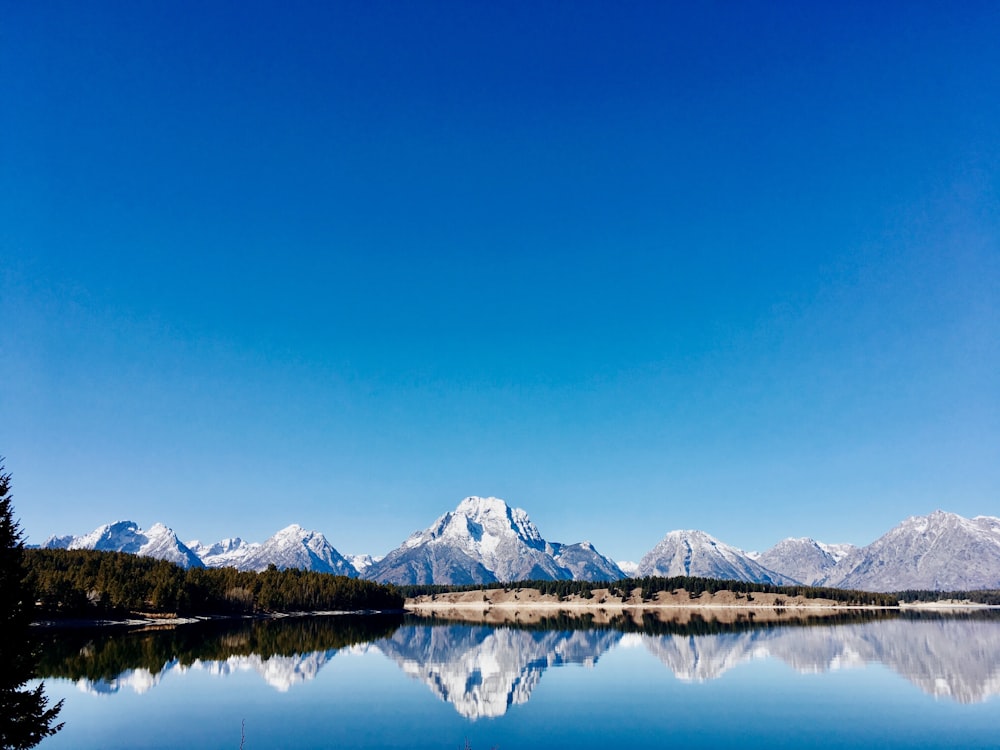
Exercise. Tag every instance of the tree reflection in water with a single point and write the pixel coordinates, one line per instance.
(482, 669)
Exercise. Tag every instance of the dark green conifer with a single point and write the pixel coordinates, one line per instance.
(25, 718)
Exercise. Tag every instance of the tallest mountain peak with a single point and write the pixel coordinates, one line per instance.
(482, 541)
(475, 504)
(490, 518)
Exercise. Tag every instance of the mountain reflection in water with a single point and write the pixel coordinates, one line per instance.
(950, 657)
(483, 669)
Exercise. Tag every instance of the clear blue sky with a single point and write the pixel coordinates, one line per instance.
(630, 266)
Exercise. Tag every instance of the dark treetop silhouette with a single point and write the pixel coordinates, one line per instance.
(25, 718)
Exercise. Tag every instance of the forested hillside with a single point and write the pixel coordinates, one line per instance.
(85, 583)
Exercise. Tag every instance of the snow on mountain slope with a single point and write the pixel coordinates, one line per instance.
(485, 540)
(628, 567)
(126, 536)
(58, 542)
(837, 551)
(227, 553)
(695, 553)
(584, 562)
(292, 547)
(804, 560)
(939, 552)
(295, 547)
(361, 563)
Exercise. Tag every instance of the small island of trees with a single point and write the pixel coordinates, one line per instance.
(652, 585)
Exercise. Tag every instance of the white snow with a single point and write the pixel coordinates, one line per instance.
(694, 553)
(628, 567)
(126, 536)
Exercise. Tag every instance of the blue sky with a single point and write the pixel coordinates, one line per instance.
(632, 267)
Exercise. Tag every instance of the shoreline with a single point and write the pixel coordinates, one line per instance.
(152, 621)
(491, 604)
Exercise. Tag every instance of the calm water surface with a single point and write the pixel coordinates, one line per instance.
(349, 682)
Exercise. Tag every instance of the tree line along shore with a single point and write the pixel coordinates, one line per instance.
(86, 584)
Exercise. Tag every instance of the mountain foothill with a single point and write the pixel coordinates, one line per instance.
(485, 540)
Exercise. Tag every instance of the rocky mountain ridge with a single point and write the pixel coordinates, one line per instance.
(125, 536)
(292, 547)
(804, 560)
(695, 553)
(938, 552)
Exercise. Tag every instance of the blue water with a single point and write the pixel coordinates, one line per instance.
(887, 683)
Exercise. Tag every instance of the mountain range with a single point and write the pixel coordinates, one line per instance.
(292, 547)
(484, 540)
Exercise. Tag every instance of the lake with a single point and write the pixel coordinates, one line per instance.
(859, 680)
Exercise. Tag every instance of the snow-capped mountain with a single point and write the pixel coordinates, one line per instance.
(126, 536)
(939, 552)
(485, 540)
(228, 553)
(695, 553)
(837, 551)
(57, 542)
(292, 547)
(584, 562)
(361, 563)
(803, 559)
(628, 567)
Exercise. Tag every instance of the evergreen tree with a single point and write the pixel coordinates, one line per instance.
(25, 718)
